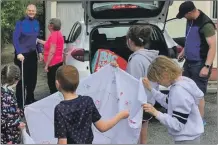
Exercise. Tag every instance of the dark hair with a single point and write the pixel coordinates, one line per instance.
(68, 78)
(140, 34)
(56, 23)
(10, 74)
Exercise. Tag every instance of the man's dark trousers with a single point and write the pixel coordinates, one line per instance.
(192, 70)
(30, 78)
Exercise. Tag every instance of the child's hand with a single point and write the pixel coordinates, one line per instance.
(114, 64)
(124, 114)
(150, 109)
(22, 125)
(146, 83)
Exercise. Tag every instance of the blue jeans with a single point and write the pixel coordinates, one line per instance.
(192, 70)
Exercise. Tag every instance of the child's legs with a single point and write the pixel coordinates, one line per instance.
(144, 132)
(195, 141)
(201, 107)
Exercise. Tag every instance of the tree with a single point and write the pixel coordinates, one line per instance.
(11, 11)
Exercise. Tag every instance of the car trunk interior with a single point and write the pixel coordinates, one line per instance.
(109, 37)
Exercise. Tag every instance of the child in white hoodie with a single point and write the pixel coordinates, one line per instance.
(183, 118)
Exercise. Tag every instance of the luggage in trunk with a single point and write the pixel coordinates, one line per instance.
(103, 57)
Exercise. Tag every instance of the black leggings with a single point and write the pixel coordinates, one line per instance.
(51, 77)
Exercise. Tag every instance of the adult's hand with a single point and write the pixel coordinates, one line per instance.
(46, 68)
(20, 57)
(204, 72)
(40, 41)
(181, 56)
(40, 57)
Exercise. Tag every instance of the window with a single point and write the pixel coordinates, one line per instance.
(114, 32)
(126, 9)
(214, 9)
(75, 32)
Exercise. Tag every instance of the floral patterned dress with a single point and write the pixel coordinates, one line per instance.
(10, 117)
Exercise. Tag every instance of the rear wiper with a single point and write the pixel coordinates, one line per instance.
(114, 22)
(133, 22)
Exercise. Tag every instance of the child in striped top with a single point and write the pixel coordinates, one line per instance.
(183, 118)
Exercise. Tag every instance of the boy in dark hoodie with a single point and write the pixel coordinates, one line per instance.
(138, 38)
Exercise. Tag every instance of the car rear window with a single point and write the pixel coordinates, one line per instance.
(116, 9)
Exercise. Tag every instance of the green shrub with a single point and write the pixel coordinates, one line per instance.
(11, 11)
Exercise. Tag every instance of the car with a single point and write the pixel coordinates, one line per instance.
(105, 26)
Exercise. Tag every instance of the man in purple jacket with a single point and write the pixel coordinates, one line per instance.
(26, 49)
(200, 46)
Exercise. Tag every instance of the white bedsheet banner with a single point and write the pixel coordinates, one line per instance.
(26, 138)
(112, 90)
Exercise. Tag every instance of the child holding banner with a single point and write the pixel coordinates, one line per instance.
(74, 116)
(183, 119)
(10, 113)
(138, 38)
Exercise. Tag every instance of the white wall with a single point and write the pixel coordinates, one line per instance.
(69, 13)
(51, 7)
(176, 28)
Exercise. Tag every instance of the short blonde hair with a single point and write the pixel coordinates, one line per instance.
(163, 64)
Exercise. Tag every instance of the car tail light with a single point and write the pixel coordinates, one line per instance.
(80, 54)
(125, 6)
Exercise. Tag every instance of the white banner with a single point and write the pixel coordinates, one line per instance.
(26, 138)
(112, 90)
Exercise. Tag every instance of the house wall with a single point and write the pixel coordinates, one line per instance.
(176, 28)
(69, 13)
(51, 8)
